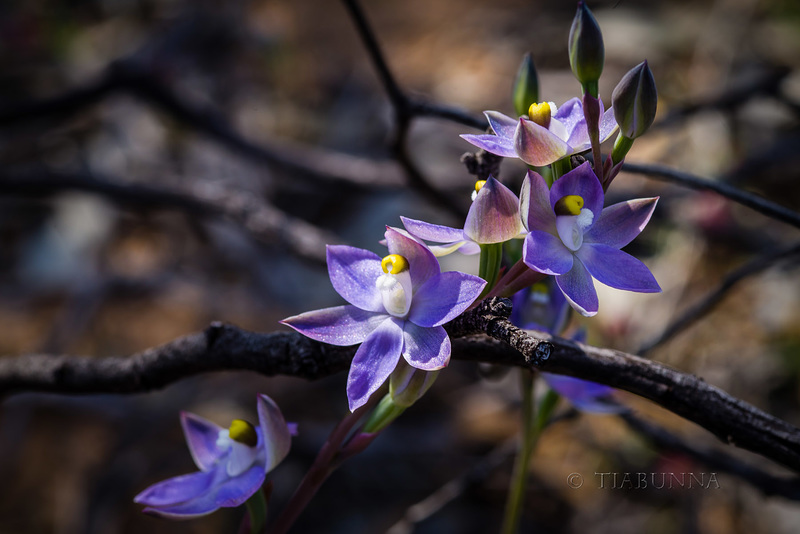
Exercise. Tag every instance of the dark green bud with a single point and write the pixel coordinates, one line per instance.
(635, 99)
(586, 51)
(526, 86)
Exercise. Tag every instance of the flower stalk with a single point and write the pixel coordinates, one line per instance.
(489, 267)
(257, 510)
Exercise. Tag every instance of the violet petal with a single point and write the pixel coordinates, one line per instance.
(353, 272)
(426, 348)
(617, 269)
(583, 182)
(374, 361)
(503, 125)
(276, 433)
(538, 146)
(620, 223)
(422, 264)
(546, 253)
(340, 325)
(500, 146)
(201, 438)
(178, 489)
(444, 297)
(534, 204)
(578, 287)
(432, 232)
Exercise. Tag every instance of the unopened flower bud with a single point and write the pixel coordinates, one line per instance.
(634, 100)
(586, 51)
(407, 384)
(526, 86)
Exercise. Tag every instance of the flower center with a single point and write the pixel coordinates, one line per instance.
(540, 114)
(478, 186)
(395, 285)
(571, 228)
(243, 432)
(569, 205)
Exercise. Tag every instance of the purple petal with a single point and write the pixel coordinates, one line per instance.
(432, 232)
(444, 297)
(340, 325)
(538, 146)
(500, 146)
(608, 123)
(374, 361)
(617, 269)
(201, 437)
(178, 489)
(578, 287)
(228, 494)
(494, 214)
(422, 264)
(585, 395)
(570, 113)
(425, 348)
(277, 436)
(353, 272)
(581, 181)
(503, 125)
(534, 204)
(546, 253)
(620, 223)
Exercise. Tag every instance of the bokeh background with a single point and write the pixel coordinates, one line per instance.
(100, 275)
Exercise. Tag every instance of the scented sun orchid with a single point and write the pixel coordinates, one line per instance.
(398, 305)
(574, 239)
(543, 307)
(547, 135)
(233, 463)
(493, 217)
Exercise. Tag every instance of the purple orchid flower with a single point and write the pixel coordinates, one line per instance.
(398, 305)
(233, 463)
(493, 217)
(543, 307)
(554, 133)
(574, 239)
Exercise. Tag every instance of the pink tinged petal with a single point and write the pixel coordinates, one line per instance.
(422, 264)
(229, 493)
(608, 124)
(500, 146)
(494, 214)
(432, 232)
(353, 272)
(583, 182)
(538, 146)
(578, 287)
(374, 361)
(617, 269)
(340, 325)
(546, 253)
(426, 348)
(178, 489)
(503, 125)
(620, 223)
(201, 438)
(276, 433)
(534, 204)
(444, 297)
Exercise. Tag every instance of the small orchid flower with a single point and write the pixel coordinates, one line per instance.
(543, 307)
(548, 134)
(574, 239)
(233, 463)
(492, 218)
(398, 305)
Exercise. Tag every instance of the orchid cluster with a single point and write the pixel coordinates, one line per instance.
(545, 247)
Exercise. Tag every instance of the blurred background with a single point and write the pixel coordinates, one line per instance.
(264, 107)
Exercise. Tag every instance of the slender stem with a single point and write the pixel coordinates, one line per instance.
(560, 168)
(519, 477)
(621, 147)
(385, 412)
(489, 269)
(591, 112)
(257, 509)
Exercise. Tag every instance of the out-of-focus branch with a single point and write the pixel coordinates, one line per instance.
(223, 347)
(708, 302)
(263, 221)
(757, 203)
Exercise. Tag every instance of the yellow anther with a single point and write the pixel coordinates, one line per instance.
(569, 205)
(540, 114)
(394, 264)
(243, 432)
(479, 185)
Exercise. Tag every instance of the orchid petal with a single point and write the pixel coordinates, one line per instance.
(444, 297)
(546, 253)
(432, 232)
(426, 348)
(583, 182)
(585, 395)
(570, 114)
(494, 214)
(538, 146)
(201, 438)
(617, 269)
(578, 287)
(353, 272)
(503, 125)
(608, 124)
(177, 489)
(422, 264)
(534, 204)
(620, 223)
(276, 433)
(374, 361)
(449, 248)
(500, 146)
(340, 325)
(241, 457)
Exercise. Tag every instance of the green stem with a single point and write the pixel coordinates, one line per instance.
(621, 147)
(519, 477)
(383, 414)
(257, 508)
(560, 168)
(489, 269)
